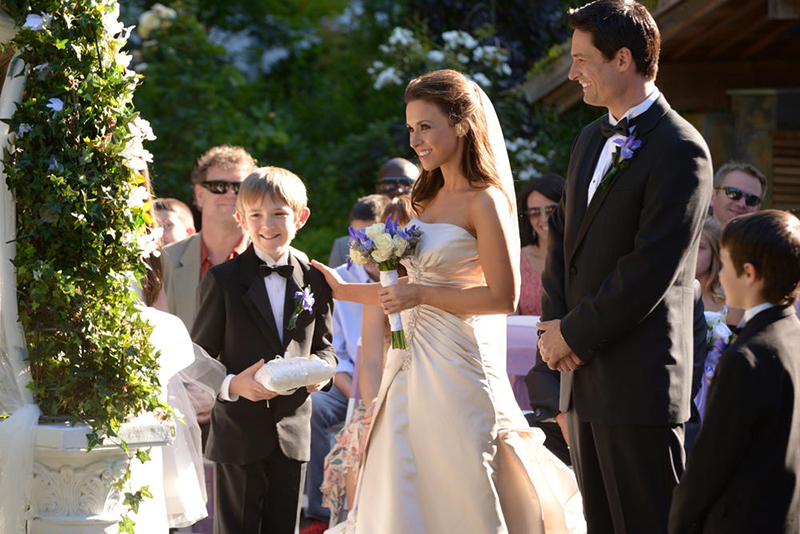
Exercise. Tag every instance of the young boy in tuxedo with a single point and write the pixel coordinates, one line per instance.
(259, 440)
(743, 473)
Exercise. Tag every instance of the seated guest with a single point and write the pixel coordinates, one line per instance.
(175, 218)
(743, 474)
(329, 408)
(342, 463)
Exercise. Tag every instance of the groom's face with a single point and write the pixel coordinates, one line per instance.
(598, 76)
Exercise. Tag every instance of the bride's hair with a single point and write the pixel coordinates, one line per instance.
(459, 99)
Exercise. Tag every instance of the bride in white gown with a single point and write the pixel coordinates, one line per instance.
(449, 449)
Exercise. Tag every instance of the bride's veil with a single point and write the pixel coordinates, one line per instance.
(497, 143)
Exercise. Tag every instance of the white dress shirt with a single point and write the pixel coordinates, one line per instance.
(604, 162)
(347, 320)
(749, 313)
(276, 290)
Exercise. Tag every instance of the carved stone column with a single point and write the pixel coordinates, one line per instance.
(72, 490)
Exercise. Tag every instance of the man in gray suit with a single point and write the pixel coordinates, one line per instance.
(215, 180)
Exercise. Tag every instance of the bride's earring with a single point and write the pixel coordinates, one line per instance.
(460, 130)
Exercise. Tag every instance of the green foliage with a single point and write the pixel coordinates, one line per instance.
(81, 215)
(197, 100)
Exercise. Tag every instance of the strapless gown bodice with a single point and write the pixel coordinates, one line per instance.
(446, 256)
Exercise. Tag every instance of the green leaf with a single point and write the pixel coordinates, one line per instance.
(143, 455)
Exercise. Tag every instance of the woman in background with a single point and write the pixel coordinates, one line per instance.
(537, 201)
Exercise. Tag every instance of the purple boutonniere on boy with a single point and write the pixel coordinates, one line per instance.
(303, 301)
(621, 158)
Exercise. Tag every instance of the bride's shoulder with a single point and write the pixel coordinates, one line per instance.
(488, 200)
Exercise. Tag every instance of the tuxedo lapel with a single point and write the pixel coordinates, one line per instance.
(256, 299)
(293, 284)
(644, 124)
(763, 318)
(583, 177)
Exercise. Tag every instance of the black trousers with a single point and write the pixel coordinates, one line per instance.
(626, 474)
(258, 498)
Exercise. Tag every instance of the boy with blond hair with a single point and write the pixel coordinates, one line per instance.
(260, 440)
(743, 472)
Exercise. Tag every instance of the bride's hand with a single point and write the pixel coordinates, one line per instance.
(331, 276)
(400, 297)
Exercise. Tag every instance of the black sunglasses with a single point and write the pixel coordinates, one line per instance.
(220, 187)
(537, 212)
(736, 194)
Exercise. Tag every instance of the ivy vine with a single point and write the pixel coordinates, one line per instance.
(75, 170)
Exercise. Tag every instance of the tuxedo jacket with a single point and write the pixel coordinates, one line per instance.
(182, 266)
(235, 324)
(620, 272)
(743, 474)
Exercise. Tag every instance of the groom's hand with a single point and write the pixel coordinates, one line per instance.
(244, 384)
(570, 363)
(552, 346)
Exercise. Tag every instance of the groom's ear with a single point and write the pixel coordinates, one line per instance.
(623, 59)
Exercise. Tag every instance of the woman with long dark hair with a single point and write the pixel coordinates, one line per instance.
(537, 201)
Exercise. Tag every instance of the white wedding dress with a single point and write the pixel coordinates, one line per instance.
(449, 449)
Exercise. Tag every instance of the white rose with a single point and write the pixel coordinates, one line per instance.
(384, 248)
(720, 331)
(400, 245)
(375, 230)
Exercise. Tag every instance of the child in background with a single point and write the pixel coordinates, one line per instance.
(175, 218)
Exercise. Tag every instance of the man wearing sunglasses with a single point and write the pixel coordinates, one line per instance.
(738, 189)
(216, 179)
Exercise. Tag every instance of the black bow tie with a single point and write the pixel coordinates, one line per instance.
(283, 270)
(621, 128)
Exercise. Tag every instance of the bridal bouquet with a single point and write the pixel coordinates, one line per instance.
(384, 245)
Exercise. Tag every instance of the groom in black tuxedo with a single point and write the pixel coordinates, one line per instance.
(619, 281)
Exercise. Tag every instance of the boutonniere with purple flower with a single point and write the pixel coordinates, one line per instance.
(621, 158)
(303, 301)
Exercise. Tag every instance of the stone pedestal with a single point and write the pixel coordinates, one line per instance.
(72, 490)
